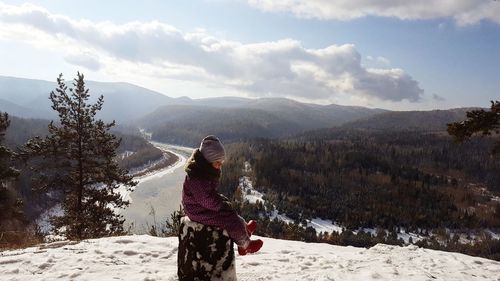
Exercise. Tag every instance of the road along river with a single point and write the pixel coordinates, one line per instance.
(158, 194)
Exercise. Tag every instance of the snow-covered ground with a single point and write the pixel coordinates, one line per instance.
(150, 258)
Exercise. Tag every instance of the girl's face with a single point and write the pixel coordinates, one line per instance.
(218, 164)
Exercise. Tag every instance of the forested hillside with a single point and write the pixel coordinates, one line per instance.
(21, 130)
(373, 179)
(432, 120)
(238, 119)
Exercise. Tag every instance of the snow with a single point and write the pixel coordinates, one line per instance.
(494, 235)
(406, 237)
(126, 154)
(324, 225)
(44, 220)
(276, 215)
(170, 169)
(249, 193)
(143, 257)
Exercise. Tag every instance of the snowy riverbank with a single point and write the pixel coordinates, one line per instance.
(150, 258)
(181, 161)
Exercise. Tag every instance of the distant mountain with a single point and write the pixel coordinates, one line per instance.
(17, 110)
(238, 118)
(434, 120)
(182, 120)
(313, 115)
(24, 91)
(228, 102)
(21, 130)
(187, 124)
(122, 101)
(338, 114)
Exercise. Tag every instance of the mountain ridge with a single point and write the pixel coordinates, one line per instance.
(430, 120)
(236, 117)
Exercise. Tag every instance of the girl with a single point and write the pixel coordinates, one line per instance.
(203, 204)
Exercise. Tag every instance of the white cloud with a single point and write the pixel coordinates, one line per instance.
(464, 12)
(87, 60)
(379, 60)
(278, 68)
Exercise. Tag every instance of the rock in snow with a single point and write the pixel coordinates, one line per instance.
(143, 257)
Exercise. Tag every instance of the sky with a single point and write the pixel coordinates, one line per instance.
(392, 54)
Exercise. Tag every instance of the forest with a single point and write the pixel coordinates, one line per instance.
(417, 181)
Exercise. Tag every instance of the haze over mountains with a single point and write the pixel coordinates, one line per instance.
(122, 101)
(182, 120)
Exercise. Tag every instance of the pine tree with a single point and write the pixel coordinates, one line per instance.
(10, 205)
(6, 171)
(76, 161)
(478, 122)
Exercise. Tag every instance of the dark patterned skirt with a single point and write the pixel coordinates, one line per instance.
(205, 253)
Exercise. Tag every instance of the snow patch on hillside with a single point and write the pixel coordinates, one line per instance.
(143, 257)
(324, 225)
(249, 193)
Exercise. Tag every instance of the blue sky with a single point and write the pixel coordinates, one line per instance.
(394, 55)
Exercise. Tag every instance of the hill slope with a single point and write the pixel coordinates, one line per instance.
(151, 258)
(433, 120)
(235, 119)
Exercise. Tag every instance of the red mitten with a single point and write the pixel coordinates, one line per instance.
(253, 247)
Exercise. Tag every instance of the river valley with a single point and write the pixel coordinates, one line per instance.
(158, 194)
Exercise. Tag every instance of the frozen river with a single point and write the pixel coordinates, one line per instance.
(157, 195)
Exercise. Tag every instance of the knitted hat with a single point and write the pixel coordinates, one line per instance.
(212, 149)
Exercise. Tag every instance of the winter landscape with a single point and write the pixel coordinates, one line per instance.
(358, 140)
